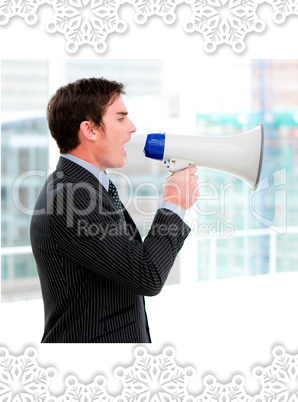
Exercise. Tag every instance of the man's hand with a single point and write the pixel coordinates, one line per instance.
(181, 188)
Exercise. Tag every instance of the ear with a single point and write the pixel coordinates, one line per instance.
(88, 131)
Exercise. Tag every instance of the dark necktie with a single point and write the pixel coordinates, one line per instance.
(114, 194)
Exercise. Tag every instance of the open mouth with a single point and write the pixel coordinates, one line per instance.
(124, 145)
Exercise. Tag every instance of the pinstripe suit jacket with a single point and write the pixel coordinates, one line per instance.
(94, 271)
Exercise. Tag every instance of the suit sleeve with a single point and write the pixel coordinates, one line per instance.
(88, 232)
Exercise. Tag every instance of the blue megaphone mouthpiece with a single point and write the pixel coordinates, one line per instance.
(155, 146)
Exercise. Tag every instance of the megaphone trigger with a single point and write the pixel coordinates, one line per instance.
(179, 164)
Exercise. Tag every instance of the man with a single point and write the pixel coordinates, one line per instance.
(93, 266)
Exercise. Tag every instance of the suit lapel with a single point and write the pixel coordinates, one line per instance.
(79, 174)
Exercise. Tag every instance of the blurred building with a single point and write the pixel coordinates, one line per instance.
(273, 92)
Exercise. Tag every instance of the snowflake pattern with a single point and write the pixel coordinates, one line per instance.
(95, 392)
(162, 8)
(282, 9)
(280, 379)
(91, 21)
(23, 8)
(150, 378)
(154, 378)
(86, 22)
(21, 379)
(217, 392)
(224, 21)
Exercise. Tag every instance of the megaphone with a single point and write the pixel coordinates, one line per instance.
(240, 155)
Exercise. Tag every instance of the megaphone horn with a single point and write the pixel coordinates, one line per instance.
(240, 155)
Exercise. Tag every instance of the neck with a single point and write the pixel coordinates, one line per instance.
(86, 156)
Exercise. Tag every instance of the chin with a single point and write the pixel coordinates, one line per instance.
(120, 164)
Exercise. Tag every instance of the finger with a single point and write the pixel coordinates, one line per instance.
(194, 178)
(192, 170)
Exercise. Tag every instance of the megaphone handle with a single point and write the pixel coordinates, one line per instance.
(174, 165)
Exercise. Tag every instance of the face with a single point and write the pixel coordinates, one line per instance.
(116, 133)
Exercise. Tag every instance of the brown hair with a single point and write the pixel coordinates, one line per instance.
(85, 99)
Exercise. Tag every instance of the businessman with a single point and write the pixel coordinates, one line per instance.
(93, 265)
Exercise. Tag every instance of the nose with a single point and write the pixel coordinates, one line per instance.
(132, 127)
